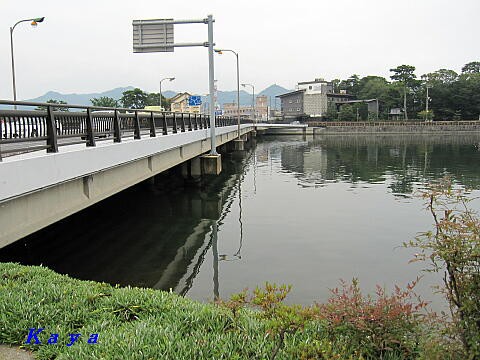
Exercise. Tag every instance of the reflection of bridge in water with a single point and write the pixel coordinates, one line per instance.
(129, 238)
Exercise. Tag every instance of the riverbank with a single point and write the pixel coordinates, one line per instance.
(373, 127)
(98, 321)
(399, 127)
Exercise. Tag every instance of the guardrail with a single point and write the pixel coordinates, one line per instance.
(50, 128)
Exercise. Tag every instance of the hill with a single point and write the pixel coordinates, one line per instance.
(223, 96)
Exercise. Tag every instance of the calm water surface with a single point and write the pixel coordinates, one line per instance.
(301, 211)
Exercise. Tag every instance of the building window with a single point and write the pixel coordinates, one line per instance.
(298, 109)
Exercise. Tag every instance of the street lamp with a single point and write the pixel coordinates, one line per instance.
(171, 79)
(253, 99)
(427, 86)
(34, 22)
(220, 51)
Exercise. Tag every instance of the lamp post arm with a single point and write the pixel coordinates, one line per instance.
(18, 22)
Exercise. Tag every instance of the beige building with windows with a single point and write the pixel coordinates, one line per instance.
(261, 109)
(179, 103)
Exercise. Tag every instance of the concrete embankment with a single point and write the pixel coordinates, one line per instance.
(395, 128)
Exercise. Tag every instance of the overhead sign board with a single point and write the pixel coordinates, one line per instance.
(150, 36)
(194, 100)
(219, 112)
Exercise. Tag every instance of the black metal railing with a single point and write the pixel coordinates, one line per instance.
(30, 130)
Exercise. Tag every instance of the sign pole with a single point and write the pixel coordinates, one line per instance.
(213, 150)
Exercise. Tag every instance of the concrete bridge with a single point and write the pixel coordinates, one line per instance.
(55, 163)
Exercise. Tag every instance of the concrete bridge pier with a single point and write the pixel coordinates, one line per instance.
(192, 170)
(202, 165)
(238, 145)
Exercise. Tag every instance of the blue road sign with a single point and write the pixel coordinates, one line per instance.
(218, 112)
(194, 100)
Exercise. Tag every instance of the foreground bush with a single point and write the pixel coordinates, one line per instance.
(137, 323)
(453, 247)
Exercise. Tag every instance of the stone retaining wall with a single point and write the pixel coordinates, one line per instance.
(397, 128)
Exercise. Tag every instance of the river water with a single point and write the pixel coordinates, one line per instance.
(305, 211)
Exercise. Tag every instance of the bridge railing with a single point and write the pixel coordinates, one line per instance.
(50, 126)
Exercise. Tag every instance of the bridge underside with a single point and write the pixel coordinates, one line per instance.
(35, 204)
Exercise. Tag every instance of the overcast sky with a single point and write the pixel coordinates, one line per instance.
(86, 46)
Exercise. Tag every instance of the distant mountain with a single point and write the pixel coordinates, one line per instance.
(274, 90)
(81, 99)
(222, 98)
(246, 98)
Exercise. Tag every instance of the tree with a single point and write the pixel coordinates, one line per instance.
(442, 76)
(471, 68)
(153, 99)
(332, 113)
(375, 87)
(351, 85)
(336, 83)
(347, 113)
(134, 99)
(405, 75)
(104, 101)
(56, 102)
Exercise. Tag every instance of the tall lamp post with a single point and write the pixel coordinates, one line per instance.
(34, 23)
(169, 78)
(220, 51)
(427, 86)
(253, 99)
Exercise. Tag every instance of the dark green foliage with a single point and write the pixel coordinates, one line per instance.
(55, 108)
(104, 101)
(347, 113)
(471, 68)
(134, 99)
(452, 96)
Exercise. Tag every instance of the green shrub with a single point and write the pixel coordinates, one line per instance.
(453, 247)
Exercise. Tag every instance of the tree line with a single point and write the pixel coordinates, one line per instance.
(451, 96)
(131, 99)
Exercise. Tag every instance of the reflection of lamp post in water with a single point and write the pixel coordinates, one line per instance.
(215, 259)
(237, 255)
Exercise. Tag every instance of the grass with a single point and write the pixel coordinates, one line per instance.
(135, 323)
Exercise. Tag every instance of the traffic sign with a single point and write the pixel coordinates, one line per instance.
(194, 100)
(149, 36)
(219, 112)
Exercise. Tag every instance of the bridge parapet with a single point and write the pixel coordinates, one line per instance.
(30, 130)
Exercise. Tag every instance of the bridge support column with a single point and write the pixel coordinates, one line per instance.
(192, 171)
(222, 149)
(211, 164)
(238, 145)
